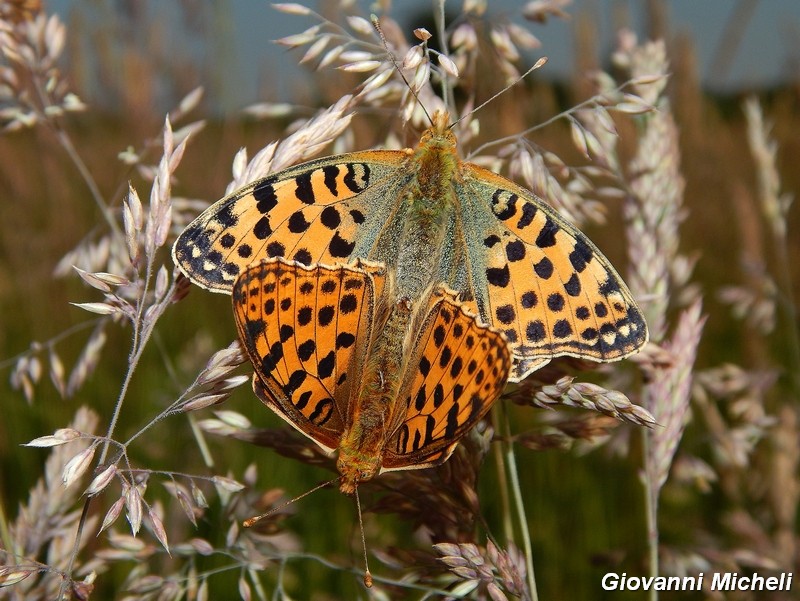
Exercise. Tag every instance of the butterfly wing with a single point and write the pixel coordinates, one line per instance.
(305, 330)
(457, 372)
(531, 273)
(539, 279)
(323, 211)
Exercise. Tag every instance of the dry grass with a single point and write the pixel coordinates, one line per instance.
(621, 159)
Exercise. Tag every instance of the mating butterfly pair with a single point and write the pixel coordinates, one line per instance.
(427, 218)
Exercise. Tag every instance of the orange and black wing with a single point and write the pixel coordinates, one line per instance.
(458, 369)
(305, 330)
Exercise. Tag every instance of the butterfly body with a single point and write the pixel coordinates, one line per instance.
(430, 217)
(387, 383)
(366, 433)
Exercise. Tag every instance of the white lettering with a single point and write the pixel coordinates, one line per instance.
(721, 582)
(610, 581)
(689, 583)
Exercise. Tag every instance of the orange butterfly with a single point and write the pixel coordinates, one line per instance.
(329, 361)
(430, 217)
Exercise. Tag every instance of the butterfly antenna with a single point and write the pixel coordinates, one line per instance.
(540, 63)
(377, 25)
(367, 573)
(251, 521)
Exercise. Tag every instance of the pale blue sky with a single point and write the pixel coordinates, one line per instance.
(769, 50)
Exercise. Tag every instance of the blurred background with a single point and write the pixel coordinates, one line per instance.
(132, 61)
(736, 46)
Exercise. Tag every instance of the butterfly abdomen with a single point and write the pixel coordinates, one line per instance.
(368, 425)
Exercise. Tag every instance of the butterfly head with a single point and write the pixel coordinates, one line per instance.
(440, 132)
(355, 468)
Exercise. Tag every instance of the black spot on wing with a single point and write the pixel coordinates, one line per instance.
(298, 223)
(303, 256)
(445, 357)
(424, 366)
(534, 331)
(345, 340)
(589, 334)
(499, 277)
(555, 302)
(357, 177)
(491, 240)
(562, 329)
(573, 285)
(214, 257)
(327, 365)
(452, 421)
(419, 400)
(255, 328)
(528, 213)
(271, 359)
(302, 401)
(610, 286)
(547, 235)
(306, 349)
(438, 336)
(544, 268)
(304, 315)
(529, 299)
(322, 412)
(275, 249)
(580, 255)
(264, 194)
(305, 190)
(226, 216)
(339, 247)
(348, 304)
(262, 229)
(438, 396)
(515, 250)
(504, 204)
(295, 381)
(326, 315)
(286, 332)
(330, 172)
(505, 314)
(330, 218)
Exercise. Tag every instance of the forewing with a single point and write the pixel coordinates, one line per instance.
(324, 211)
(458, 370)
(304, 330)
(540, 280)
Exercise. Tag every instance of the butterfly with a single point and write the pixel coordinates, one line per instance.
(312, 332)
(430, 217)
